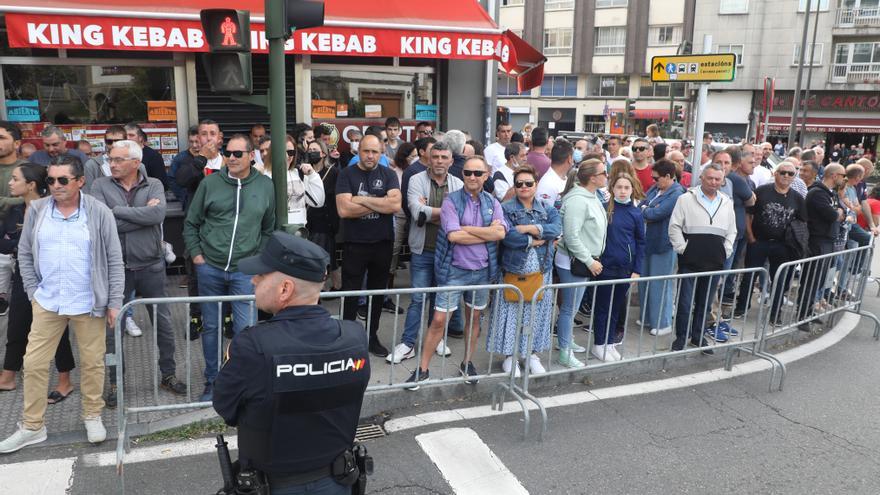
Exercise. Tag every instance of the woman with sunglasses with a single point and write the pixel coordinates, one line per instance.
(527, 248)
(304, 186)
(584, 224)
(323, 221)
(29, 183)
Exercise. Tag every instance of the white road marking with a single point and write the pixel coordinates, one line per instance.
(467, 464)
(45, 477)
(847, 324)
(159, 452)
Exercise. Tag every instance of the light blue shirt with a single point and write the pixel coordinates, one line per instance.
(711, 205)
(65, 262)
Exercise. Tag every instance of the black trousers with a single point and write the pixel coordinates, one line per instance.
(813, 276)
(374, 260)
(756, 255)
(192, 285)
(19, 326)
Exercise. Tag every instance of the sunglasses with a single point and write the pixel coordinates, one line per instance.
(61, 180)
(236, 153)
(524, 183)
(291, 152)
(640, 148)
(475, 173)
(786, 172)
(109, 142)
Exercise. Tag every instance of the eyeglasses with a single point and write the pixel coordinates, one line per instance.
(109, 142)
(655, 178)
(118, 159)
(236, 153)
(61, 180)
(425, 133)
(291, 152)
(640, 148)
(604, 172)
(475, 173)
(789, 173)
(524, 183)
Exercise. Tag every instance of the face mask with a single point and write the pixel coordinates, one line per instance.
(354, 146)
(413, 160)
(622, 201)
(313, 157)
(578, 156)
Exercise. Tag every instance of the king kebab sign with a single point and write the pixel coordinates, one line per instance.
(109, 33)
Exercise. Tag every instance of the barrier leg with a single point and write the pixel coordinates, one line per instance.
(873, 318)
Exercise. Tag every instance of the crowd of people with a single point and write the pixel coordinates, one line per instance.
(83, 233)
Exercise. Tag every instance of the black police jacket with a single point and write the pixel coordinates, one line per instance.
(294, 386)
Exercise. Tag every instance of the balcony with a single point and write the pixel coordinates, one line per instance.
(855, 73)
(858, 18)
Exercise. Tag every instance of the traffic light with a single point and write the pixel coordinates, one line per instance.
(630, 109)
(678, 113)
(304, 14)
(228, 66)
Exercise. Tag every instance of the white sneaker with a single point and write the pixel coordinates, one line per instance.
(659, 332)
(638, 323)
(170, 257)
(95, 430)
(507, 365)
(443, 349)
(603, 353)
(535, 366)
(22, 438)
(612, 349)
(566, 358)
(131, 327)
(400, 352)
(573, 347)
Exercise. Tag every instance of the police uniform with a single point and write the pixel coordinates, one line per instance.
(294, 385)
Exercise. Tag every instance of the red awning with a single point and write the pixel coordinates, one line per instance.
(646, 113)
(452, 29)
(830, 124)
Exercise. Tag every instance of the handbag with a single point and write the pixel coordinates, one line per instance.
(579, 268)
(527, 283)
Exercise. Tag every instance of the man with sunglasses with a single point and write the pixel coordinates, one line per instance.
(776, 206)
(472, 222)
(72, 270)
(424, 130)
(55, 148)
(641, 150)
(231, 216)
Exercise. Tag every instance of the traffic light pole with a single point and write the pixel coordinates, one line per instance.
(702, 97)
(277, 34)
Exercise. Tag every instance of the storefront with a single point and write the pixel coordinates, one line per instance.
(84, 65)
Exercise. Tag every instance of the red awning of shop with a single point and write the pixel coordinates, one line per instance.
(830, 124)
(451, 29)
(646, 113)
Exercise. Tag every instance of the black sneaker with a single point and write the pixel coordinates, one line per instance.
(418, 375)
(389, 307)
(228, 332)
(585, 310)
(705, 347)
(195, 327)
(110, 397)
(469, 372)
(362, 312)
(173, 385)
(4, 306)
(738, 313)
(377, 349)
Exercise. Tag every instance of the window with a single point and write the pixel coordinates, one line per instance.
(559, 86)
(859, 60)
(648, 89)
(734, 7)
(735, 49)
(396, 94)
(664, 36)
(507, 87)
(814, 5)
(603, 4)
(610, 40)
(558, 4)
(608, 86)
(557, 41)
(815, 55)
(509, 3)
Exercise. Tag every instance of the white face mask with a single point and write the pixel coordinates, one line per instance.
(354, 146)
(413, 160)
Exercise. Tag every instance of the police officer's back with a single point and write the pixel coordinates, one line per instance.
(293, 385)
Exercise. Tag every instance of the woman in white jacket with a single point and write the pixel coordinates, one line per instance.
(304, 186)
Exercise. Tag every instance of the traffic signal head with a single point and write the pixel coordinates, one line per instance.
(678, 113)
(229, 73)
(630, 108)
(227, 30)
(304, 14)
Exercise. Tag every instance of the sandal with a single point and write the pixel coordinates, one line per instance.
(55, 396)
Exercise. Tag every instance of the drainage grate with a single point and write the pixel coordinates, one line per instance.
(368, 432)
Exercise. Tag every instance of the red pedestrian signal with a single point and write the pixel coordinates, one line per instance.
(228, 66)
(228, 28)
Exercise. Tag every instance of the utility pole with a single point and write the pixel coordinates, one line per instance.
(796, 101)
(809, 74)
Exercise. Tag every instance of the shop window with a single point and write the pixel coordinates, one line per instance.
(362, 94)
(507, 87)
(608, 86)
(89, 94)
(559, 86)
(610, 40)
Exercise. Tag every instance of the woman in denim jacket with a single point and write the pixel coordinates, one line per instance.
(527, 248)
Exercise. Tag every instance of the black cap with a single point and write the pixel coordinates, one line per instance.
(835, 156)
(291, 255)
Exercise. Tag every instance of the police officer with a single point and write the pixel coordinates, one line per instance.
(294, 385)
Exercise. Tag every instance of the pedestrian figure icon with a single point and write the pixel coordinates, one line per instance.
(228, 29)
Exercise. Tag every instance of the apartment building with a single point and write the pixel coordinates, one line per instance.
(599, 54)
(844, 104)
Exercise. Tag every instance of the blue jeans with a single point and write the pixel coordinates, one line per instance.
(216, 282)
(421, 270)
(447, 301)
(323, 486)
(656, 298)
(609, 301)
(569, 300)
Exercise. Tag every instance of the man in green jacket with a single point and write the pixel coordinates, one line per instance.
(230, 217)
